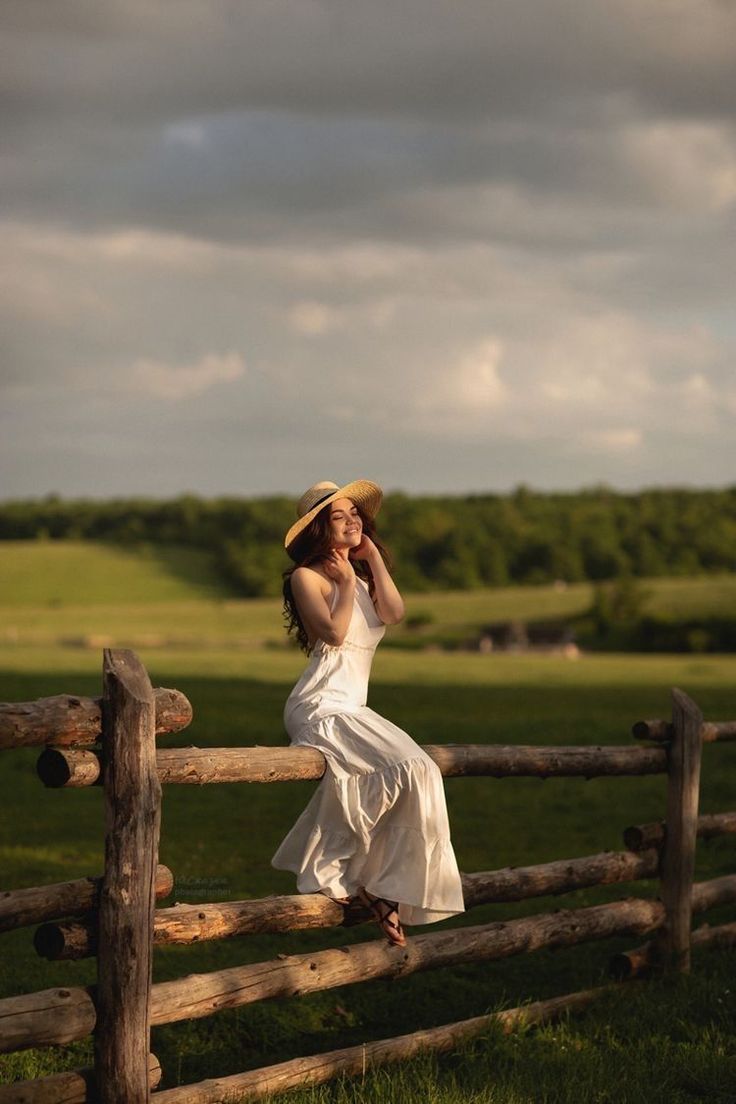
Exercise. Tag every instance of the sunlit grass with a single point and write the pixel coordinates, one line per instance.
(671, 1041)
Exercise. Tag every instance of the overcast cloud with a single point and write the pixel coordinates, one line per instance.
(449, 246)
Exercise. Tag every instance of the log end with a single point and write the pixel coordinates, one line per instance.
(52, 768)
(632, 837)
(652, 730)
(626, 965)
(48, 941)
(174, 711)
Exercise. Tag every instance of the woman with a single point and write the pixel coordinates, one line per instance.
(376, 829)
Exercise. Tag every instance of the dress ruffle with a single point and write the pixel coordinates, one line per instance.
(384, 828)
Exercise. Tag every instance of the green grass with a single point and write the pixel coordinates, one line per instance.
(54, 574)
(77, 595)
(220, 838)
(670, 1040)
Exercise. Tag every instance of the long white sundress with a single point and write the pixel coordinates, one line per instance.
(378, 817)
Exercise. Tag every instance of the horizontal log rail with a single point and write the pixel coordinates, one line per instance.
(640, 837)
(199, 995)
(69, 1087)
(58, 767)
(66, 719)
(318, 1068)
(55, 1016)
(661, 730)
(48, 1017)
(73, 939)
(637, 962)
(21, 907)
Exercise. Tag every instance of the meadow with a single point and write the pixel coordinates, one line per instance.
(670, 1039)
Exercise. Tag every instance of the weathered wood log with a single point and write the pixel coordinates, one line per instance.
(193, 765)
(633, 963)
(74, 939)
(127, 895)
(70, 1087)
(66, 939)
(43, 1018)
(21, 907)
(517, 883)
(66, 719)
(199, 766)
(662, 730)
(199, 995)
(722, 935)
(640, 837)
(318, 1068)
(713, 892)
(221, 920)
(73, 767)
(678, 851)
(46, 1018)
(640, 961)
(717, 730)
(513, 761)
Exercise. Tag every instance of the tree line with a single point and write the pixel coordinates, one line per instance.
(438, 541)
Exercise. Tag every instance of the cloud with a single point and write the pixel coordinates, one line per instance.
(621, 439)
(313, 319)
(456, 399)
(494, 238)
(182, 381)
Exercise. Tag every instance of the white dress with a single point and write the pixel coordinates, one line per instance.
(378, 817)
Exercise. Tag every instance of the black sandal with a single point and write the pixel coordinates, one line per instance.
(382, 918)
(355, 911)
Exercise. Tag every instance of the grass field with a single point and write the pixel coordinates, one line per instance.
(70, 595)
(670, 1040)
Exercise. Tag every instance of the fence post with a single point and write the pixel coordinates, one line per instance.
(672, 941)
(127, 897)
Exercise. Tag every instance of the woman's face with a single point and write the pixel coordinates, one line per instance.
(346, 528)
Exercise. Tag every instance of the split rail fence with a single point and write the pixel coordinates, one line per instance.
(111, 741)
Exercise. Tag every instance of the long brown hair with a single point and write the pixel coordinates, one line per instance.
(313, 545)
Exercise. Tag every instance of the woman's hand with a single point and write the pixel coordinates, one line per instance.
(366, 550)
(339, 568)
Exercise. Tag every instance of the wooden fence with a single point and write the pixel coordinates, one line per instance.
(111, 741)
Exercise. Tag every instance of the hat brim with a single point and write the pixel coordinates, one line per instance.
(363, 492)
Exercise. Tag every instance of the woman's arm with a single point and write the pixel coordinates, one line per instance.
(387, 600)
(313, 606)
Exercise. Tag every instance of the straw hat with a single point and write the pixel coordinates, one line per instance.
(362, 492)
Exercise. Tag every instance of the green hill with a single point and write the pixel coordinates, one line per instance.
(86, 573)
(58, 598)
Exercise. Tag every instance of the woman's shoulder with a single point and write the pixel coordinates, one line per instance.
(311, 576)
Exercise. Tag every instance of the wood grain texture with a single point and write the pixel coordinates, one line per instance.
(71, 939)
(66, 719)
(678, 850)
(127, 897)
(21, 907)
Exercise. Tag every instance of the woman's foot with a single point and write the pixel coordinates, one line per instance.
(386, 914)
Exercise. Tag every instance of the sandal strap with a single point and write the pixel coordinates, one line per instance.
(383, 917)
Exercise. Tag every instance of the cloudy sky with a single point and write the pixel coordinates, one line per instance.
(450, 245)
